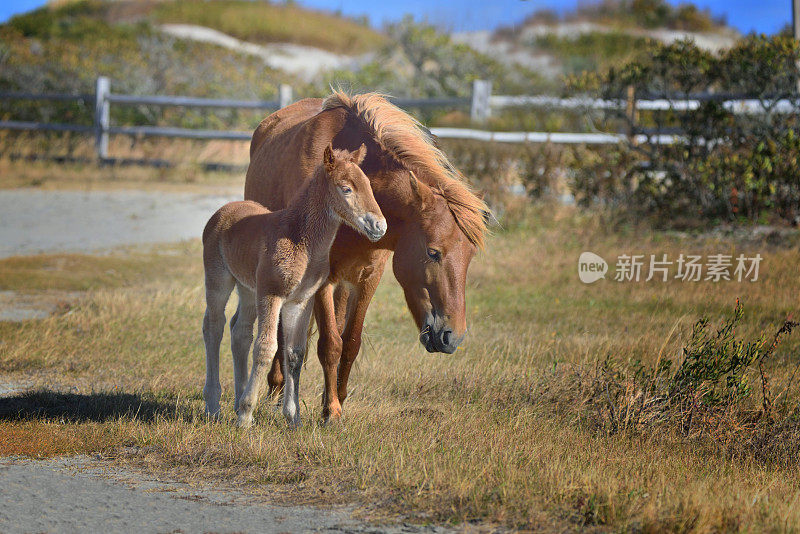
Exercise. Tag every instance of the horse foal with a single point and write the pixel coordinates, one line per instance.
(277, 261)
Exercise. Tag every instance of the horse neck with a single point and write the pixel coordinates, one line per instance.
(312, 221)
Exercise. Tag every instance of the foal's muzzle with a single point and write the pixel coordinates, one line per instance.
(374, 227)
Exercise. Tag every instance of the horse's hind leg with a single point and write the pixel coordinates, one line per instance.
(241, 339)
(219, 284)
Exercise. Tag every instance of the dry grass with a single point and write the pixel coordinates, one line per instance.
(492, 432)
(77, 272)
(66, 160)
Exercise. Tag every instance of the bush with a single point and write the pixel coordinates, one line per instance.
(706, 393)
(51, 51)
(726, 166)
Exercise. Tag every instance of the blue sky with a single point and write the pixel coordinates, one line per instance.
(763, 16)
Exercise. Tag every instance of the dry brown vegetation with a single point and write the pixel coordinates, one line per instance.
(513, 429)
(27, 160)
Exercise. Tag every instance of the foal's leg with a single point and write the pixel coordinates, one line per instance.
(219, 284)
(294, 324)
(269, 308)
(331, 350)
(241, 339)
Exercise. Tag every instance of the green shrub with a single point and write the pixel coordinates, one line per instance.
(706, 392)
(591, 51)
(726, 166)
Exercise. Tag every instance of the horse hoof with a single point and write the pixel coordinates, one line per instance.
(295, 424)
(331, 417)
(244, 421)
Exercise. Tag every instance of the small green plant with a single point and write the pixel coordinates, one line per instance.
(707, 390)
(715, 364)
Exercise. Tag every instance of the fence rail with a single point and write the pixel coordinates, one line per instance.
(193, 102)
(480, 104)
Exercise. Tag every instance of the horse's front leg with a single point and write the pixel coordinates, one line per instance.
(269, 308)
(329, 349)
(275, 376)
(351, 336)
(329, 346)
(294, 330)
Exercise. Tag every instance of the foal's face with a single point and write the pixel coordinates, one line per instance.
(352, 197)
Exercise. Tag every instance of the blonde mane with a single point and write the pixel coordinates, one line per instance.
(411, 144)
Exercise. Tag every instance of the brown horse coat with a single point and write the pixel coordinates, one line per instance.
(435, 223)
(278, 260)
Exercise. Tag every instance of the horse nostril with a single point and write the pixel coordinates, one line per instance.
(446, 336)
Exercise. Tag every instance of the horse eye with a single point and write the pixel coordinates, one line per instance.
(434, 254)
(346, 190)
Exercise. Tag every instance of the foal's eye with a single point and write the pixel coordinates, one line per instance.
(345, 190)
(434, 254)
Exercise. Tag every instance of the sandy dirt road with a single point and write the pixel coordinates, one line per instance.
(34, 221)
(84, 495)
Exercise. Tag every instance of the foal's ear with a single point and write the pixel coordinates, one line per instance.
(359, 155)
(328, 159)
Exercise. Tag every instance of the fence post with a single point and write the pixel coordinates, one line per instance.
(631, 113)
(481, 109)
(796, 30)
(284, 95)
(102, 119)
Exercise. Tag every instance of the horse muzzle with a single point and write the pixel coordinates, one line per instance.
(441, 339)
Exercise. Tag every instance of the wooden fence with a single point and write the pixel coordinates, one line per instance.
(481, 104)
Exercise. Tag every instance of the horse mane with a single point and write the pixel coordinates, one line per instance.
(412, 146)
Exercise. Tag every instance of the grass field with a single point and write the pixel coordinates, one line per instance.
(509, 430)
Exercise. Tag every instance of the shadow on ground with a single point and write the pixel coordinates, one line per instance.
(98, 407)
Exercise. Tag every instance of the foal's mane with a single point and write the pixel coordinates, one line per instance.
(402, 136)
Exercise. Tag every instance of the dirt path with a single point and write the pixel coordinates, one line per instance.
(35, 221)
(84, 495)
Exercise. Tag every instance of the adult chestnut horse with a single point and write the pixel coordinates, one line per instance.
(435, 223)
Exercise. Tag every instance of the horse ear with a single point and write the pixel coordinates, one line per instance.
(327, 158)
(416, 189)
(360, 154)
